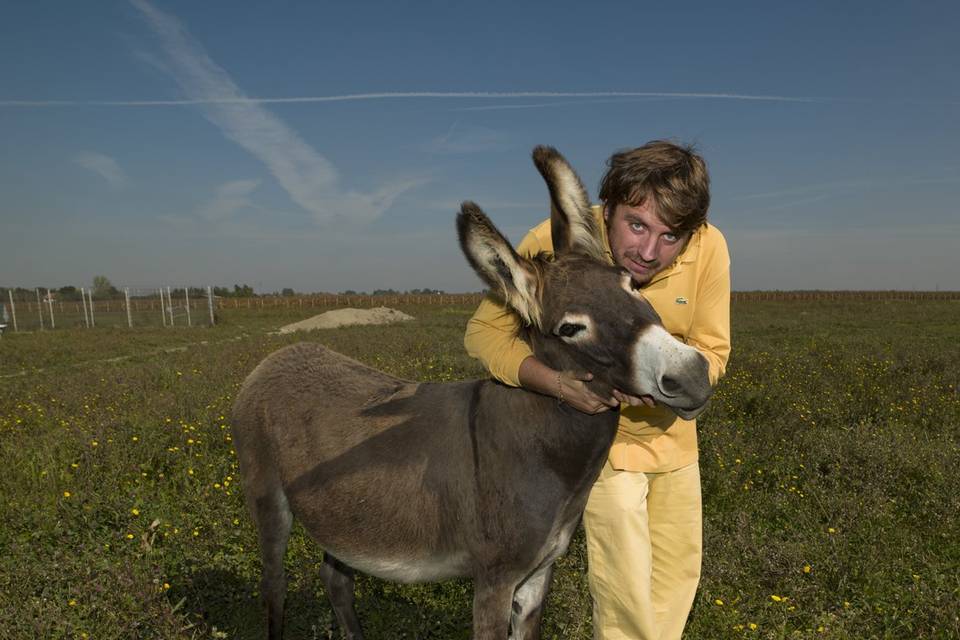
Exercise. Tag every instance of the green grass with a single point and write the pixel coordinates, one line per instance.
(830, 459)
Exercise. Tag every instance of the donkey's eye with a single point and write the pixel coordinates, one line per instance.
(569, 329)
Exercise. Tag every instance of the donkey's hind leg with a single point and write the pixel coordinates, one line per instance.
(338, 580)
(274, 520)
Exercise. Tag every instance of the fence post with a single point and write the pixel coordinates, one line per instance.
(170, 302)
(83, 298)
(163, 310)
(186, 297)
(93, 320)
(13, 309)
(126, 296)
(210, 304)
(39, 308)
(53, 323)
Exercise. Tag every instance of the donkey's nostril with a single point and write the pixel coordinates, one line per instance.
(669, 386)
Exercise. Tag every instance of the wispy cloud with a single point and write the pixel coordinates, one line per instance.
(104, 166)
(406, 95)
(803, 195)
(310, 179)
(468, 139)
(812, 189)
(230, 198)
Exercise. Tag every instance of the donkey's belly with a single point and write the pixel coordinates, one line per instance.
(388, 515)
(407, 568)
(390, 534)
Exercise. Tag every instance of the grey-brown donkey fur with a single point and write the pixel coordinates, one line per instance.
(420, 482)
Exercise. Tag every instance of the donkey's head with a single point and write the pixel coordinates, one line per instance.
(581, 312)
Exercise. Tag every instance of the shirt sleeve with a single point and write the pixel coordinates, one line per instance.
(710, 330)
(492, 332)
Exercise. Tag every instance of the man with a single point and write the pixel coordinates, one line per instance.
(643, 518)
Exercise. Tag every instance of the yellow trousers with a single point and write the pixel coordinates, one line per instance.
(644, 546)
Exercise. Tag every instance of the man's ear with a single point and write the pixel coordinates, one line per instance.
(511, 277)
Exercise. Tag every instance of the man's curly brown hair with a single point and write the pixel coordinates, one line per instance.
(673, 175)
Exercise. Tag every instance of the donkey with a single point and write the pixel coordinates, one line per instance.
(417, 482)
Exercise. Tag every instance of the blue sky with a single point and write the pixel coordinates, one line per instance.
(326, 146)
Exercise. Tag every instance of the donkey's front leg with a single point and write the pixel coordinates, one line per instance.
(528, 604)
(492, 606)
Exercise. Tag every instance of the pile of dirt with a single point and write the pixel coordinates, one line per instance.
(347, 317)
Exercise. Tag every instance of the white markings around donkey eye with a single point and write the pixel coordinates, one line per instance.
(574, 327)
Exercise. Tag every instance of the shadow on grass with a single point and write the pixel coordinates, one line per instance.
(223, 601)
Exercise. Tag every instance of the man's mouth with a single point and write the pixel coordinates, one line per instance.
(641, 267)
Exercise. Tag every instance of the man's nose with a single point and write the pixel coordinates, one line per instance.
(648, 248)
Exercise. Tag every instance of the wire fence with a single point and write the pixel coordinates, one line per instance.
(919, 296)
(42, 309)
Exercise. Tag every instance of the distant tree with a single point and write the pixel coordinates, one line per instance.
(287, 291)
(103, 288)
(68, 293)
(243, 291)
(385, 292)
(348, 292)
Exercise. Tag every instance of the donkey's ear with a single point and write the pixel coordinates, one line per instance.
(572, 224)
(510, 276)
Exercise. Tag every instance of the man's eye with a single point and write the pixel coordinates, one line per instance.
(669, 237)
(636, 226)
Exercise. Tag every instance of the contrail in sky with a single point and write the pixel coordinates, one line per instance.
(406, 95)
(309, 178)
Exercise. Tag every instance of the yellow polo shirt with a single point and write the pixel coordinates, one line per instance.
(692, 297)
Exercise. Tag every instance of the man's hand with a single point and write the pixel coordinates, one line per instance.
(567, 387)
(633, 401)
(572, 390)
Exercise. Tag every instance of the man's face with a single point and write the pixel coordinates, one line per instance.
(640, 241)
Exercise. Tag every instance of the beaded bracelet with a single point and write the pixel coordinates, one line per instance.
(560, 399)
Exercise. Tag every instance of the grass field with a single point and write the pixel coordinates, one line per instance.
(830, 459)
